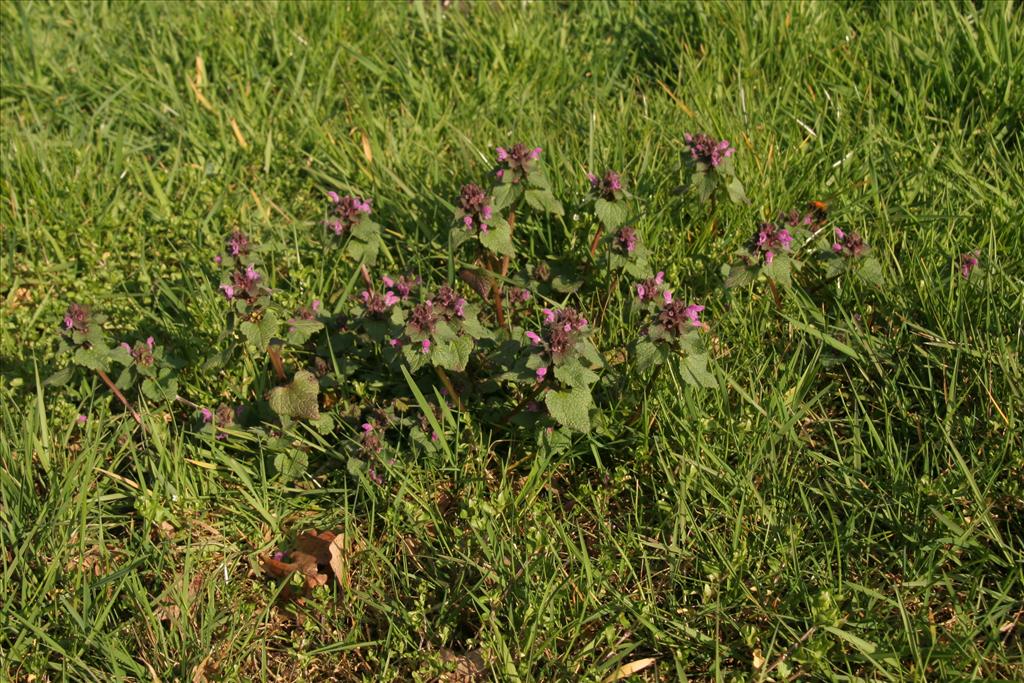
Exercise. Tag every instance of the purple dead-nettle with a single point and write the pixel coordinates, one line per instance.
(608, 187)
(516, 162)
(238, 244)
(711, 164)
(563, 329)
(346, 212)
(707, 150)
(308, 312)
(448, 304)
(625, 240)
(848, 244)
(77, 318)
(403, 286)
(653, 289)
(770, 240)
(475, 210)
(244, 285)
(519, 295)
(968, 262)
(142, 352)
(678, 318)
(377, 304)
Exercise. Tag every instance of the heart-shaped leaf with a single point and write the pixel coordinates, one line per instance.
(299, 398)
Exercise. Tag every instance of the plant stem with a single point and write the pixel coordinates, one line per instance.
(275, 360)
(365, 273)
(775, 295)
(597, 238)
(185, 401)
(120, 396)
(446, 381)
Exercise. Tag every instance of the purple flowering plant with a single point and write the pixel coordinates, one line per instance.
(670, 330)
(348, 219)
(710, 163)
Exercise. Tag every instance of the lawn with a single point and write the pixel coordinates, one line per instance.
(843, 498)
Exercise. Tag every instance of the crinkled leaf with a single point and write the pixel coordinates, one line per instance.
(504, 195)
(570, 408)
(694, 371)
(543, 200)
(299, 331)
(458, 235)
(780, 270)
(96, 358)
(290, 464)
(611, 214)
(260, 333)
(703, 184)
(59, 378)
(736, 192)
(739, 274)
(498, 239)
(157, 392)
(648, 354)
(539, 179)
(452, 355)
(297, 399)
(870, 271)
(573, 374)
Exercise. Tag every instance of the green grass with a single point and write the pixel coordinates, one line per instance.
(852, 496)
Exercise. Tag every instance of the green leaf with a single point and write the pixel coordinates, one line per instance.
(543, 200)
(738, 275)
(648, 354)
(261, 332)
(703, 184)
(575, 375)
(299, 331)
(570, 408)
(611, 214)
(291, 464)
(299, 398)
(504, 195)
(452, 355)
(737, 195)
(498, 239)
(870, 271)
(458, 235)
(780, 270)
(96, 358)
(694, 371)
(59, 378)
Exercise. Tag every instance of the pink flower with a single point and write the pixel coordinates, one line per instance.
(206, 414)
(394, 342)
(549, 315)
(126, 346)
(667, 296)
(502, 153)
(693, 313)
(229, 292)
(367, 427)
(81, 419)
(390, 299)
(218, 259)
(535, 153)
(425, 346)
(149, 343)
(541, 374)
(533, 337)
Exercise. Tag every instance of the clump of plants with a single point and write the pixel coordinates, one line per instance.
(503, 340)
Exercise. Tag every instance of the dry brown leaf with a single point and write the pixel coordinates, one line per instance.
(469, 667)
(339, 552)
(481, 284)
(367, 150)
(758, 659)
(627, 670)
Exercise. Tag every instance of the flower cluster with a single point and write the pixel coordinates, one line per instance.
(142, 352)
(770, 240)
(516, 162)
(705, 149)
(346, 212)
(968, 262)
(76, 319)
(445, 306)
(562, 330)
(653, 289)
(377, 304)
(238, 244)
(403, 285)
(475, 207)
(625, 240)
(223, 418)
(849, 244)
(244, 285)
(609, 187)
(678, 319)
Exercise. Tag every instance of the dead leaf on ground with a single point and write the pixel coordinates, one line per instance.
(627, 670)
(469, 667)
(314, 556)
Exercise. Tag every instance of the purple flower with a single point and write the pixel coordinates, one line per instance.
(770, 239)
(142, 352)
(229, 292)
(77, 318)
(218, 259)
(562, 330)
(403, 285)
(609, 187)
(626, 239)
(245, 285)
(533, 337)
(81, 419)
(968, 262)
(651, 289)
(346, 212)
(425, 346)
(206, 414)
(849, 244)
(474, 207)
(376, 304)
(238, 244)
(707, 150)
(367, 427)
(678, 319)
(519, 295)
(517, 161)
(541, 373)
